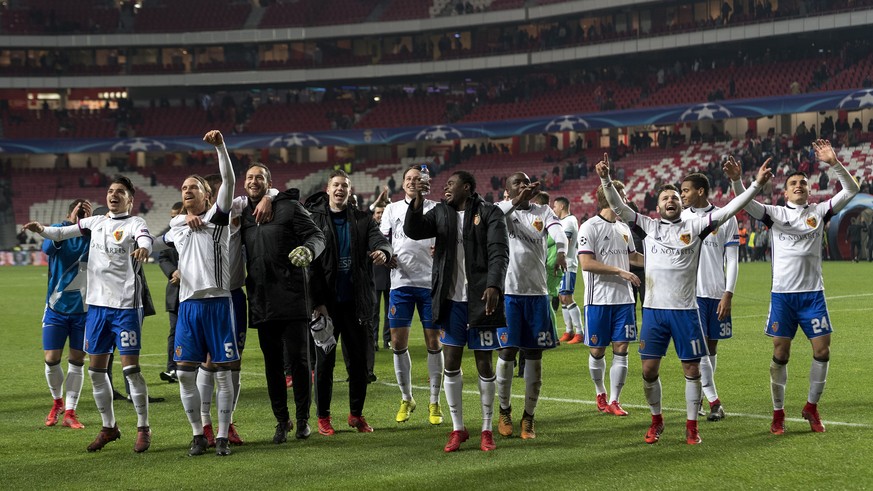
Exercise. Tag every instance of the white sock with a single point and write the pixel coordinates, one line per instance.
(533, 382)
(54, 375)
(190, 398)
(712, 361)
(454, 385)
(73, 385)
(617, 376)
(576, 316)
(692, 397)
(707, 381)
(486, 396)
(102, 395)
(652, 390)
(435, 366)
(224, 401)
(205, 384)
(403, 369)
(504, 382)
(596, 367)
(778, 380)
(818, 374)
(568, 321)
(234, 378)
(139, 394)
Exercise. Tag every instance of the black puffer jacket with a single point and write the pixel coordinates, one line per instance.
(274, 286)
(486, 252)
(365, 238)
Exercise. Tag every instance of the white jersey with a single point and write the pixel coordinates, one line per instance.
(204, 268)
(571, 230)
(414, 259)
(458, 290)
(528, 241)
(711, 281)
(672, 252)
(610, 243)
(795, 237)
(113, 279)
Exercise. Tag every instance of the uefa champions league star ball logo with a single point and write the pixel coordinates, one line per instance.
(296, 140)
(858, 99)
(566, 123)
(707, 110)
(439, 133)
(138, 145)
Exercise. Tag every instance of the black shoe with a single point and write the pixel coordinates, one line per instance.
(282, 430)
(169, 376)
(198, 446)
(372, 378)
(222, 447)
(303, 430)
(376, 347)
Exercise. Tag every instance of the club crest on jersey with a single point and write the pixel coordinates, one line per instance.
(594, 339)
(642, 344)
(685, 238)
(476, 219)
(812, 222)
(118, 234)
(775, 327)
(393, 309)
(86, 345)
(504, 337)
(179, 351)
(538, 224)
(625, 237)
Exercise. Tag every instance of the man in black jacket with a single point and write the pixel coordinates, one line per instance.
(472, 250)
(279, 306)
(168, 260)
(343, 289)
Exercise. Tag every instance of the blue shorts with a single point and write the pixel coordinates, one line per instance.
(402, 302)
(106, 328)
(712, 327)
(206, 325)
(456, 333)
(659, 325)
(531, 323)
(56, 328)
(605, 324)
(242, 317)
(568, 283)
(807, 309)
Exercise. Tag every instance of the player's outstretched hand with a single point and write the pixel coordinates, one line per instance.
(141, 254)
(379, 257)
(301, 256)
(491, 297)
(732, 169)
(824, 152)
(628, 276)
(33, 227)
(602, 167)
(213, 137)
(82, 210)
(764, 172)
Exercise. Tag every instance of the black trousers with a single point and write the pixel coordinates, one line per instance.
(354, 337)
(274, 336)
(171, 365)
(382, 295)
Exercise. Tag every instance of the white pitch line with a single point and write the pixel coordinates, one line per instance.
(589, 403)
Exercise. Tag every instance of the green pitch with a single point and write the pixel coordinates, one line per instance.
(576, 447)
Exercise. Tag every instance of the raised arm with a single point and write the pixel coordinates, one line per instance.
(612, 197)
(735, 205)
(732, 170)
(54, 233)
(224, 200)
(825, 153)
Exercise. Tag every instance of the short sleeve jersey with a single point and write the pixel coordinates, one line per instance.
(528, 234)
(571, 229)
(204, 266)
(414, 260)
(672, 252)
(795, 238)
(458, 290)
(113, 279)
(710, 273)
(610, 243)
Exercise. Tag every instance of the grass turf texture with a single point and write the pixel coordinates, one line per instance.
(576, 447)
